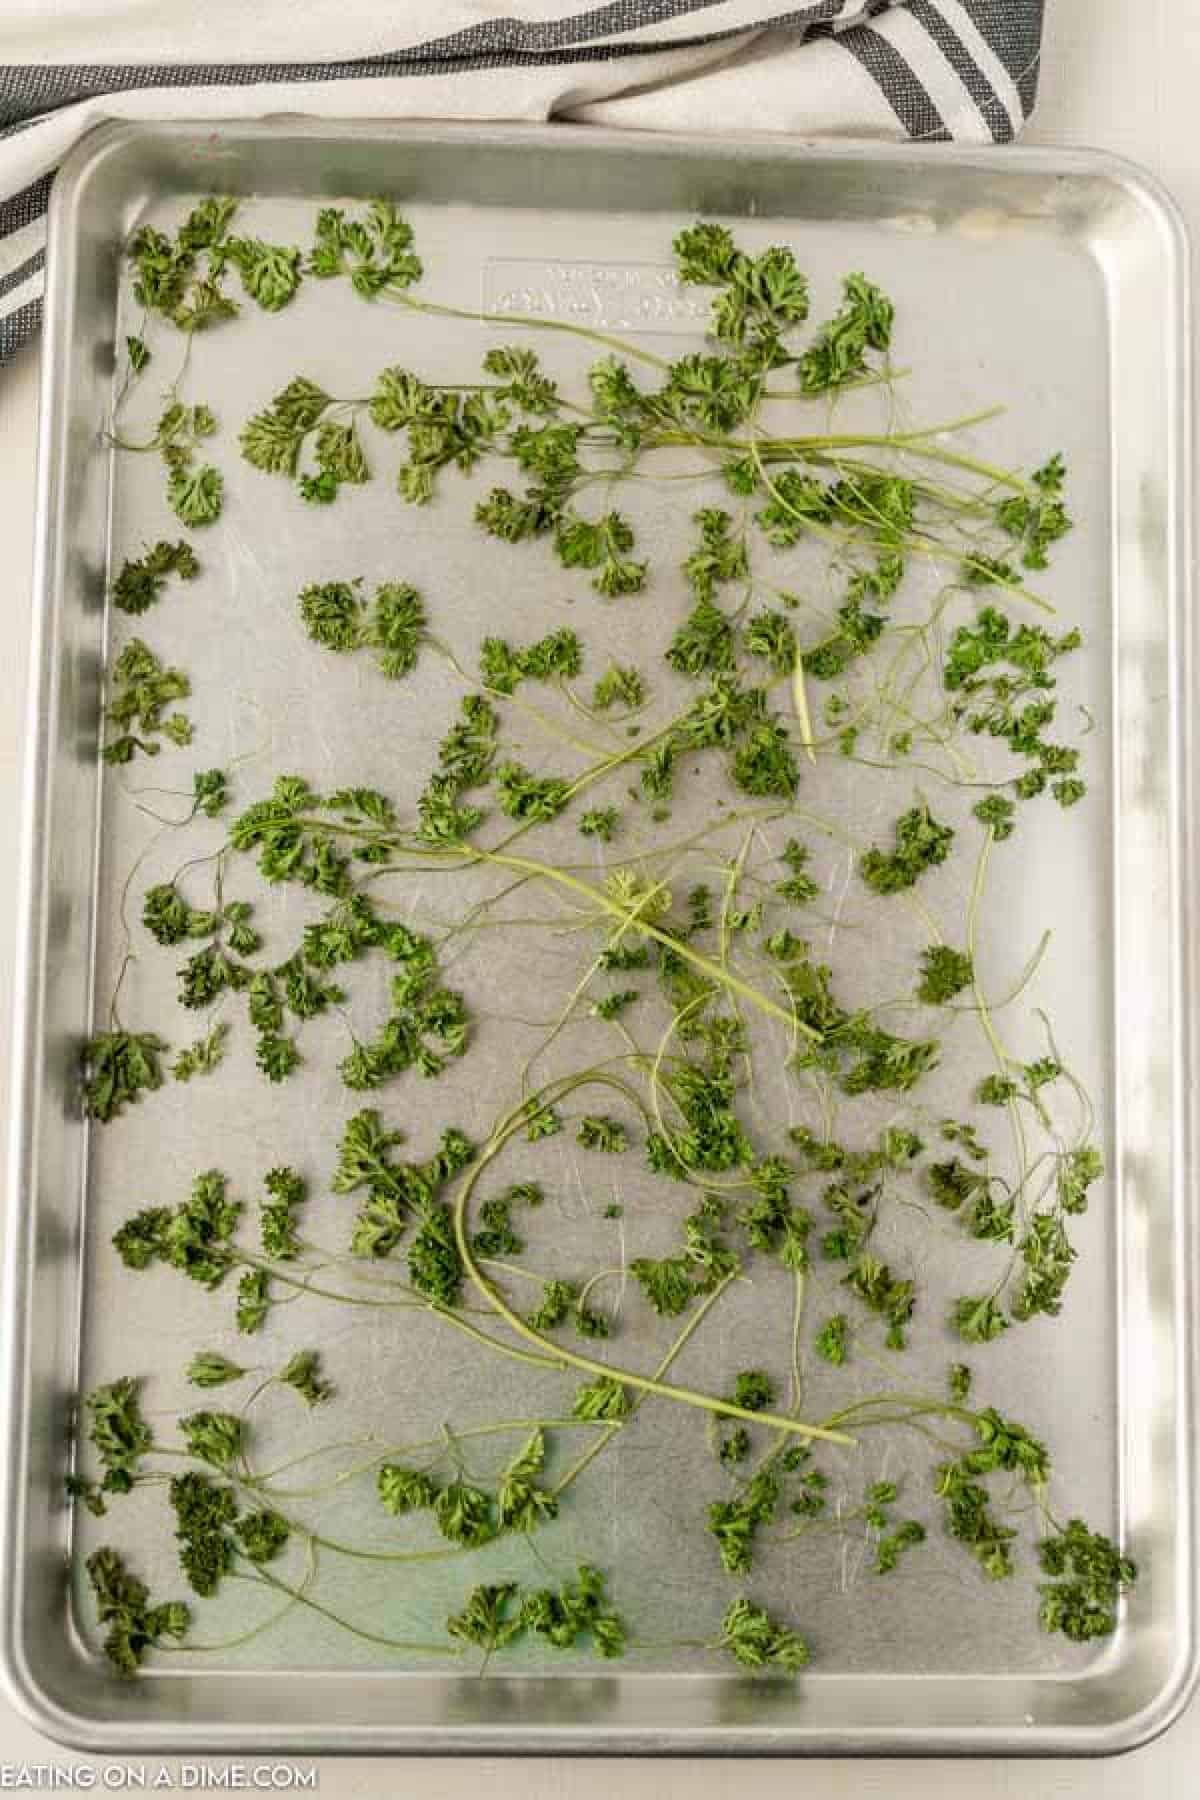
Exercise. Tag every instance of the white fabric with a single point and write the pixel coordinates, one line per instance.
(246, 31)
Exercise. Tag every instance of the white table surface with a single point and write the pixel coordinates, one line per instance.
(1118, 75)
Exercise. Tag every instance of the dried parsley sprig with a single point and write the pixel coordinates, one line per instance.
(715, 947)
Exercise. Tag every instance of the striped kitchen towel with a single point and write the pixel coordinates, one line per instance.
(928, 69)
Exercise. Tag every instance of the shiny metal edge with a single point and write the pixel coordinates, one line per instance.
(18, 1679)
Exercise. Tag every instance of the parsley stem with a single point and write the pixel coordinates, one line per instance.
(613, 1427)
(358, 1631)
(361, 1553)
(605, 904)
(550, 726)
(524, 319)
(385, 1453)
(820, 447)
(433, 1306)
(800, 1284)
(575, 1359)
(983, 1011)
(214, 1646)
(245, 1637)
(800, 702)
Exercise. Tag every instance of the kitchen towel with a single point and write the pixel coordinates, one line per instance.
(925, 69)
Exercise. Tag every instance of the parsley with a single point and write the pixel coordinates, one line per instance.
(602, 1399)
(524, 381)
(465, 758)
(735, 1523)
(464, 1514)
(374, 251)
(172, 279)
(969, 1520)
(770, 635)
(864, 322)
(997, 813)
(798, 887)
(404, 1490)
(182, 277)
(811, 1501)
(756, 1641)
(1077, 1171)
(141, 582)
(735, 1448)
(892, 1297)
(666, 1283)
(997, 1090)
(596, 1133)
(303, 1372)
(210, 788)
(169, 919)
(619, 685)
(286, 1191)
(889, 1549)
(394, 1191)
(719, 558)
(274, 439)
(208, 1368)
(832, 1340)
(203, 1513)
(1038, 519)
(611, 1006)
(978, 1320)
(944, 973)
(600, 545)
(118, 1433)
(253, 1300)
(123, 1605)
(955, 1132)
(118, 1067)
(202, 1057)
(141, 690)
(710, 922)
(487, 1620)
(195, 1237)
(499, 1238)
(213, 1437)
(521, 1504)
(434, 1265)
(195, 491)
(764, 765)
(1089, 1575)
(543, 1123)
(557, 1302)
(704, 643)
(600, 822)
(562, 1616)
(553, 657)
(270, 272)
(535, 798)
(754, 1390)
(262, 1535)
(921, 844)
(1048, 1255)
(392, 623)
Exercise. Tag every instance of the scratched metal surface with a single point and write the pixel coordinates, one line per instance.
(1031, 279)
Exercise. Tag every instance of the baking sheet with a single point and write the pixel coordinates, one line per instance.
(1030, 278)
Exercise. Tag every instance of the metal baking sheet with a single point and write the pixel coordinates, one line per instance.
(1053, 281)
